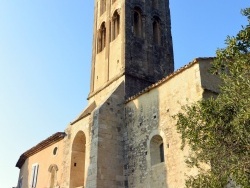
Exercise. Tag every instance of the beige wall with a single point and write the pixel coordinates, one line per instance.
(109, 63)
(44, 158)
(151, 114)
(101, 96)
(103, 132)
(116, 137)
(115, 66)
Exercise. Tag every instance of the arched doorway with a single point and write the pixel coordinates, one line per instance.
(77, 171)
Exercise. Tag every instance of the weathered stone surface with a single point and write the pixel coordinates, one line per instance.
(126, 137)
(151, 114)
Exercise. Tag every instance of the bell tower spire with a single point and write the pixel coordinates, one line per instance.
(132, 39)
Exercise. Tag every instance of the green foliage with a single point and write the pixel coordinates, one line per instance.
(218, 129)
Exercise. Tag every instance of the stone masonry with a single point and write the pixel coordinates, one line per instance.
(126, 136)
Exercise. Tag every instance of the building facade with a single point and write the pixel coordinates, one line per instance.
(126, 136)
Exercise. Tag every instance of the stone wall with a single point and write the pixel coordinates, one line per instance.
(145, 60)
(110, 142)
(133, 144)
(86, 126)
(151, 114)
(103, 129)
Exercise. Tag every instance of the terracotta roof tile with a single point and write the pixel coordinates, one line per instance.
(168, 77)
(42, 145)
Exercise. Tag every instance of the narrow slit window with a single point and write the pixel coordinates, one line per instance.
(162, 152)
(156, 31)
(115, 25)
(101, 38)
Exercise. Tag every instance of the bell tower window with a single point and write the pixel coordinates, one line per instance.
(101, 38)
(137, 27)
(115, 25)
(156, 31)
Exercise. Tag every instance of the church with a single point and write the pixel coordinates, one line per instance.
(126, 136)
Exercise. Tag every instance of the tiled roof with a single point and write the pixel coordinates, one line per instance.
(147, 89)
(42, 145)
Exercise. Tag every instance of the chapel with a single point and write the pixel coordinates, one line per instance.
(126, 136)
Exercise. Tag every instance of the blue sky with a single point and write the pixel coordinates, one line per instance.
(45, 57)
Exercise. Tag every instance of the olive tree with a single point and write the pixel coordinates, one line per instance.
(217, 129)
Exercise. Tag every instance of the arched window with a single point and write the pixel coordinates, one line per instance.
(156, 31)
(156, 150)
(137, 27)
(115, 25)
(101, 38)
(53, 175)
(102, 6)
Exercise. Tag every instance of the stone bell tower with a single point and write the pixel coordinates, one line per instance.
(132, 49)
(132, 39)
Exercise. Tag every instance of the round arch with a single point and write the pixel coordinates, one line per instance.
(156, 146)
(137, 22)
(53, 175)
(77, 171)
(53, 166)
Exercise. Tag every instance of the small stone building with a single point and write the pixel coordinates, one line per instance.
(126, 136)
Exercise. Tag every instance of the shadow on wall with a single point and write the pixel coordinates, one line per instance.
(146, 147)
(106, 145)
